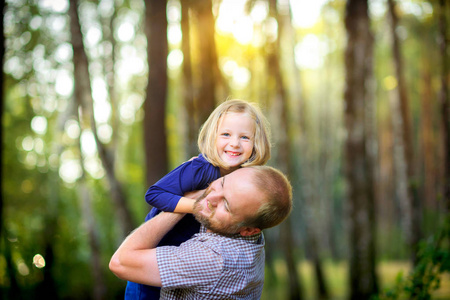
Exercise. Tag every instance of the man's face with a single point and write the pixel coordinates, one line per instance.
(227, 202)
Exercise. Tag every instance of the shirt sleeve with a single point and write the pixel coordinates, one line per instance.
(191, 175)
(191, 265)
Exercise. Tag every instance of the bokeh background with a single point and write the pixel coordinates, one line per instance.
(102, 98)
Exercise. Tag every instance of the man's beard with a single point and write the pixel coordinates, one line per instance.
(226, 230)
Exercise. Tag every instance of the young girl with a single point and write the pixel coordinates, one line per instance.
(235, 135)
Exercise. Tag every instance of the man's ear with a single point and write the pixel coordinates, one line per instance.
(247, 231)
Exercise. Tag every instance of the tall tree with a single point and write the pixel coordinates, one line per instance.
(155, 137)
(428, 134)
(83, 99)
(281, 106)
(188, 88)
(445, 96)
(409, 203)
(83, 96)
(208, 69)
(2, 55)
(358, 159)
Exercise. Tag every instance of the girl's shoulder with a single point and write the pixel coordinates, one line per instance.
(201, 163)
(204, 170)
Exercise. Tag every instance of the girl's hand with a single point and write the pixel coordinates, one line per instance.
(186, 203)
(194, 194)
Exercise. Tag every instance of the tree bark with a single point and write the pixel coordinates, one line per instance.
(155, 103)
(83, 96)
(281, 107)
(428, 136)
(409, 202)
(188, 93)
(445, 98)
(359, 164)
(2, 59)
(208, 67)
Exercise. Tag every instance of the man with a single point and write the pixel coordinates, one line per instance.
(226, 259)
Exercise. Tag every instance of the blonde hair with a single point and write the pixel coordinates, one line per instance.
(208, 133)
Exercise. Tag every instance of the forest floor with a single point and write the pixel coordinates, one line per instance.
(337, 278)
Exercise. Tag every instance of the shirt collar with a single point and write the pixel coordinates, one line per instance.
(256, 238)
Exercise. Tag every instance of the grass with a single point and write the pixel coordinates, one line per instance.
(336, 274)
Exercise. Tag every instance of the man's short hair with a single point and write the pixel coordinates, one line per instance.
(278, 202)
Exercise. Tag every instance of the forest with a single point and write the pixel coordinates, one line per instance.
(102, 98)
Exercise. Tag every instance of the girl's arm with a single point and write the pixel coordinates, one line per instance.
(168, 192)
(186, 203)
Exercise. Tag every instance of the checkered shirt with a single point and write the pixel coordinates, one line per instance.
(211, 266)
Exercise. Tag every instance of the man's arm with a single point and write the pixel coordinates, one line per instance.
(135, 260)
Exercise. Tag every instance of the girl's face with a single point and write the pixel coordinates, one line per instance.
(235, 139)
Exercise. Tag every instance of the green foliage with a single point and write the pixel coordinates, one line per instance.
(433, 259)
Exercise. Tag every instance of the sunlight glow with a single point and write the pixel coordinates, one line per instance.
(130, 63)
(30, 160)
(14, 67)
(390, 83)
(72, 129)
(93, 36)
(39, 124)
(174, 34)
(241, 77)
(28, 143)
(70, 170)
(129, 108)
(306, 13)
(259, 11)
(105, 132)
(39, 145)
(175, 59)
(229, 12)
(125, 32)
(99, 90)
(35, 22)
(243, 30)
(39, 261)
(56, 23)
(229, 66)
(309, 52)
(64, 83)
(270, 27)
(22, 268)
(94, 168)
(60, 6)
(173, 12)
(88, 145)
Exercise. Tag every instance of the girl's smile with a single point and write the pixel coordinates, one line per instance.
(235, 139)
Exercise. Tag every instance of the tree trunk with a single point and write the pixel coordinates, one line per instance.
(281, 108)
(155, 103)
(410, 205)
(83, 96)
(2, 58)
(208, 68)
(427, 113)
(445, 98)
(85, 200)
(109, 63)
(188, 93)
(359, 164)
